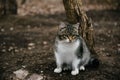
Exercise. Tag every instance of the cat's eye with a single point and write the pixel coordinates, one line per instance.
(75, 36)
(65, 36)
(62, 37)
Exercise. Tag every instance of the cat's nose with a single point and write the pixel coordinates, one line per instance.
(70, 39)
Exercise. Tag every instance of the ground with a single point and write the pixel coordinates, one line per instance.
(27, 39)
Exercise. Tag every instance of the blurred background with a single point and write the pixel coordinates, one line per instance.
(27, 33)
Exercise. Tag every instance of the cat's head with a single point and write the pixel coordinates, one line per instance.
(68, 32)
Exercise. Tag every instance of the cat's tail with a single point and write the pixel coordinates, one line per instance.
(94, 63)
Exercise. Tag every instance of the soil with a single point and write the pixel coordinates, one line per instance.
(27, 39)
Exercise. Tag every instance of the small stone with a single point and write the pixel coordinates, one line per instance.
(4, 43)
(23, 66)
(31, 44)
(96, 24)
(7, 63)
(21, 73)
(11, 29)
(118, 45)
(2, 30)
(109, 31)
(41, 71)
(28, 26)
(29, 48)
(102, 49)
(115, 23)
(118, 50)
(21, 49)
(16, 50)
(10, 48)
(3, 50)
(44, 42)
(60, 74)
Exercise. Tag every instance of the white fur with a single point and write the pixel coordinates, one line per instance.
(66, 54)
(66, 51)
(82, 68)
(58, 70)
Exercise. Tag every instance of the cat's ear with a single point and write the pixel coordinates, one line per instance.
(76, 25)
(62, 25)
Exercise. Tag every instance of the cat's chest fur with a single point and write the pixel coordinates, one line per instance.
(67, 51)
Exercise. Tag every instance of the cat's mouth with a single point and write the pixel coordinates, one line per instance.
(70, 40)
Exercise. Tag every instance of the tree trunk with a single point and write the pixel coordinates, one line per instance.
(74, 15)
(8, 7)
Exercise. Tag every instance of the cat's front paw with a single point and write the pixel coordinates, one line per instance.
(82, 68)
(58, 70)
(75, 72)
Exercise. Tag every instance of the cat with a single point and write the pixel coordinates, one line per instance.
(71, 49)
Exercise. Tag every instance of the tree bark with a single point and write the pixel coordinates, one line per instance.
(75, 15)
(8, 7)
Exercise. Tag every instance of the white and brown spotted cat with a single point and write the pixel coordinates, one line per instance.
(70, 49)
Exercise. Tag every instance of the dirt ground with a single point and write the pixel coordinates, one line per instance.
(27, 39)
